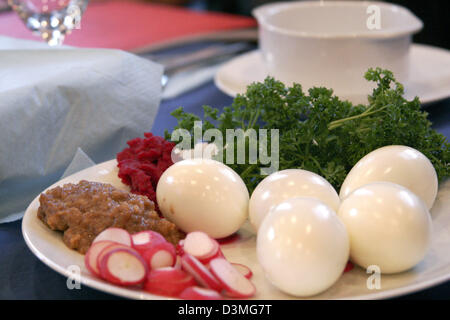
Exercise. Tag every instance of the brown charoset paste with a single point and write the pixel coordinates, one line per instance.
(85, 209)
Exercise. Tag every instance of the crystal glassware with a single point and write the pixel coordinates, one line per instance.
(51, 19)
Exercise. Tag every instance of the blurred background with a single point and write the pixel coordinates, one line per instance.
(434, 14)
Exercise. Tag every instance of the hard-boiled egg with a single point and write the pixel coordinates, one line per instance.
(398, 164)
(203, 195)
(389, 226)
(302, 246)
(286, 184)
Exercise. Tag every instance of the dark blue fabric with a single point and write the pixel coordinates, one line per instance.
(23, 276)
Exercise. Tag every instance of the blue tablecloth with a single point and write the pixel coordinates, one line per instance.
(23, 276)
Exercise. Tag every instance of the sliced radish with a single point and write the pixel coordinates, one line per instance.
(197, 293)
(200, 245)
(106, 249)
(203, 276)
(177, 264)
(179, 247)
(168, 281)
(90, 259)
(159, 255)
(244, 270)
(218, 254)
(123, 266)
(236, 285)
(144, 239)
(215, 253)
(116, 235)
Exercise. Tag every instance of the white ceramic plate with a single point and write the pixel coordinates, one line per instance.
(429, 73)
(48, 246)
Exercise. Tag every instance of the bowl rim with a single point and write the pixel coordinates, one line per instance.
(262, 12)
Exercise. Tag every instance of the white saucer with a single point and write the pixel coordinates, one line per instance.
(429, 74)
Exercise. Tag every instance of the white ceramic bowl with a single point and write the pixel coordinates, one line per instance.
(333, 43)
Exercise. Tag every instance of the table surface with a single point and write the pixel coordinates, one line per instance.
(23, 276)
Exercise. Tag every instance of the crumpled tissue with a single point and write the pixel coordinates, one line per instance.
(54, 101)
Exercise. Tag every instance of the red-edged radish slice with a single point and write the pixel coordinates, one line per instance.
(218, 254)
(90, 259)
(159, 255)
(179, 247)
(244, 270)
(116, 235)
(205, 259)
(200, 245)
(203, 276)
(144, 239)
(168, 281)
(123, 266)
(106, 249)
(235, 284)
(177, 264)
(197, 293)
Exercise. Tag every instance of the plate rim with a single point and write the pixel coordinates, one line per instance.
(219, 83)
(128, 293)
(96, 284)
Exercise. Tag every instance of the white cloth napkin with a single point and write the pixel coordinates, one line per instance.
(53, 101)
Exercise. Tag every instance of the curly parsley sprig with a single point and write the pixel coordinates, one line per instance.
(321, 133)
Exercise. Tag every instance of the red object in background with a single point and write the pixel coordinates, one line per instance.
(132, 25)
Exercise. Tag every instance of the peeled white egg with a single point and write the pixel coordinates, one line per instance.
(302, 246)
(388, 225)
(398, 164)
(286, 184)
(203, 195)
(201, 150)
